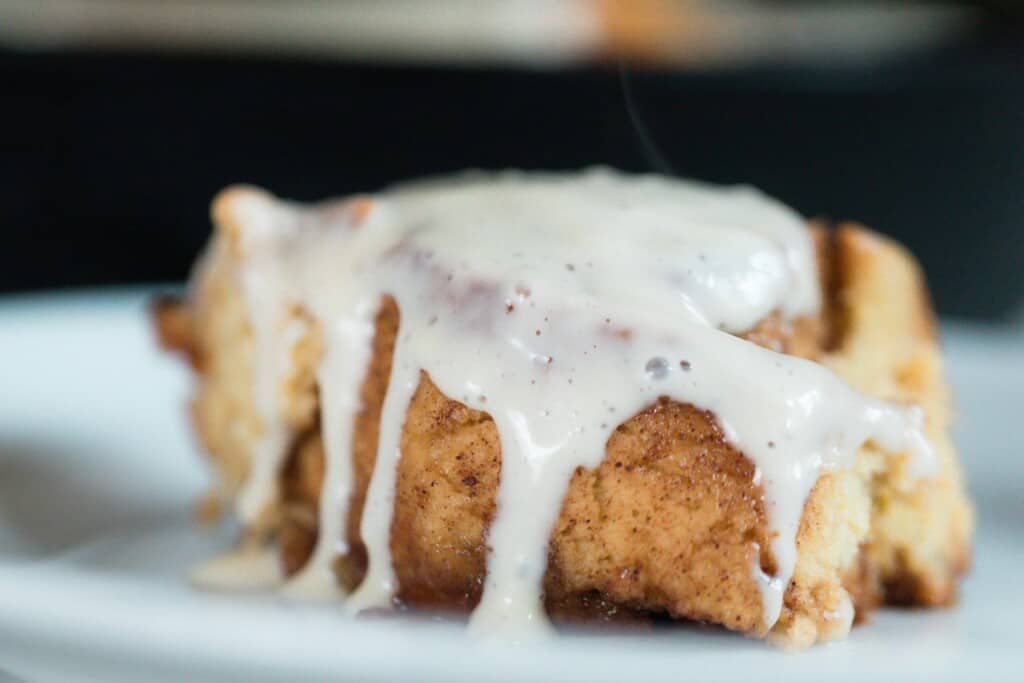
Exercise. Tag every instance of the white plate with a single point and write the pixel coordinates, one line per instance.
(98, 473)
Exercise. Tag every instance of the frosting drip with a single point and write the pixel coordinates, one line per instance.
(561, 305)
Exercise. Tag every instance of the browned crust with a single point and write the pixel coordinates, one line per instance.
(920, 540)
(864, 586)
(906, 588)
(172, 320)
(850, 247)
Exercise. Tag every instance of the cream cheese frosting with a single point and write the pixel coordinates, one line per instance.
(562, 305)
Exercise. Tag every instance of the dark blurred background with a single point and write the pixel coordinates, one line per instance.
(122, 119)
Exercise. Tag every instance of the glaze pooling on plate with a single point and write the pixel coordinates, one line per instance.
(561, 305)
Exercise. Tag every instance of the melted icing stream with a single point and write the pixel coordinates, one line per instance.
(562, 305)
